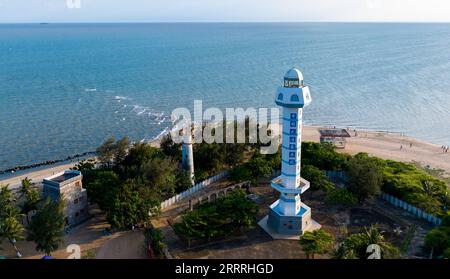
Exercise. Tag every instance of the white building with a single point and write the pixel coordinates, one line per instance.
(288, 217)
(68, 185)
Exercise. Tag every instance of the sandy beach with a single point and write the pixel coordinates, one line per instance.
(380, 144)
(387, 146)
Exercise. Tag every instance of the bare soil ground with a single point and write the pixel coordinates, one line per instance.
(89, 235)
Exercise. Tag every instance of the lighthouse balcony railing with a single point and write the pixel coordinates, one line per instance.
(277, 184)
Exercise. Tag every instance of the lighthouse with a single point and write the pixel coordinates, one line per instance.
(187, 159)
(288, 217)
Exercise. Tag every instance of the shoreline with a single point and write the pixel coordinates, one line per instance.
(383, 144)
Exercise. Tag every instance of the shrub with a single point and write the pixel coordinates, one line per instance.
(317, 178)
(156, 239)
(323, 156)
(341, 197)
(227, 215)
(438, 240)
(241, 173)
(414, 186)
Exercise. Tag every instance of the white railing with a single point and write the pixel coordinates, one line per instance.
(197, 187)
(411, 209)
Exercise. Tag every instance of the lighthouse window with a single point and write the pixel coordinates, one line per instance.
(293, 131)
(292, 139)
(280, 97)
(291, 162)
(293, 123)
(293, 116)
(292, 147)
(294, 98)
(292, 154)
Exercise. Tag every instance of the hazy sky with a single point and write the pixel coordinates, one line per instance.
(224, 10)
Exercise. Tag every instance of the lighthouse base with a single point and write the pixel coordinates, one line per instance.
(288, 227)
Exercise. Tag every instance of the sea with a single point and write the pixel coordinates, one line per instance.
(65, 88)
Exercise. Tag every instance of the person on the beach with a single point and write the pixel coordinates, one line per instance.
(410, 145)
(401, 147)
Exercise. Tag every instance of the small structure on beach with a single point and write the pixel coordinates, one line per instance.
(68, 185)
(338, 137)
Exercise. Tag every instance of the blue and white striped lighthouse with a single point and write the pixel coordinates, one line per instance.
(289, 217)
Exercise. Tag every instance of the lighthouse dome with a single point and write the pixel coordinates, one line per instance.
(293, 78)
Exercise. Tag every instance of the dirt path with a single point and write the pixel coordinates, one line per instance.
(130, 245)
(89, 236)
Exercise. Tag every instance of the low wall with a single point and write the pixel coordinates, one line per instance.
(411, 209)
(197, 187)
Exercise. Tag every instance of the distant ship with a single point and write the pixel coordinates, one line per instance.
(43, 23)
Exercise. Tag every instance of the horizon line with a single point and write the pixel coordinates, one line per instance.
(214, 21)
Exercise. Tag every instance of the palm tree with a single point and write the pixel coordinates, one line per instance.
(10, 226)
(316, 242)
(374, 236)
(31, 196)
(342, 252)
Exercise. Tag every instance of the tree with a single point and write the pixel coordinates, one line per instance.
(31, 198)
(342, 252)
(112, 152)
(341, 197)
(209, 157)
(317, 178)
(357, 244)
(182, 181)
(234, 154)
(156, 239)
(105, 152)
(10, 225)
(128, 207)
(364, 177)
(260, 167)
(46, 228)
(139, 154)
(241, 173)
(170, 148)
(103, 188)
(160, 175)
(323, 156)
(316, 242)
(438, 240)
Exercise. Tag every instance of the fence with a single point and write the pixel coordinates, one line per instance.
(411, 209)
(197, 187)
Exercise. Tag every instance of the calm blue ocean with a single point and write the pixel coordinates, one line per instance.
(65, 88)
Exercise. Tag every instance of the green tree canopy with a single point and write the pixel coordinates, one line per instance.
(365, 176)
(317, 178)
(46, 227)
(31, 197)
(316, 242)
(10, 226)
(357, 244)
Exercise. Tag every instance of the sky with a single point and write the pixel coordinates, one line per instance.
(224, 10)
